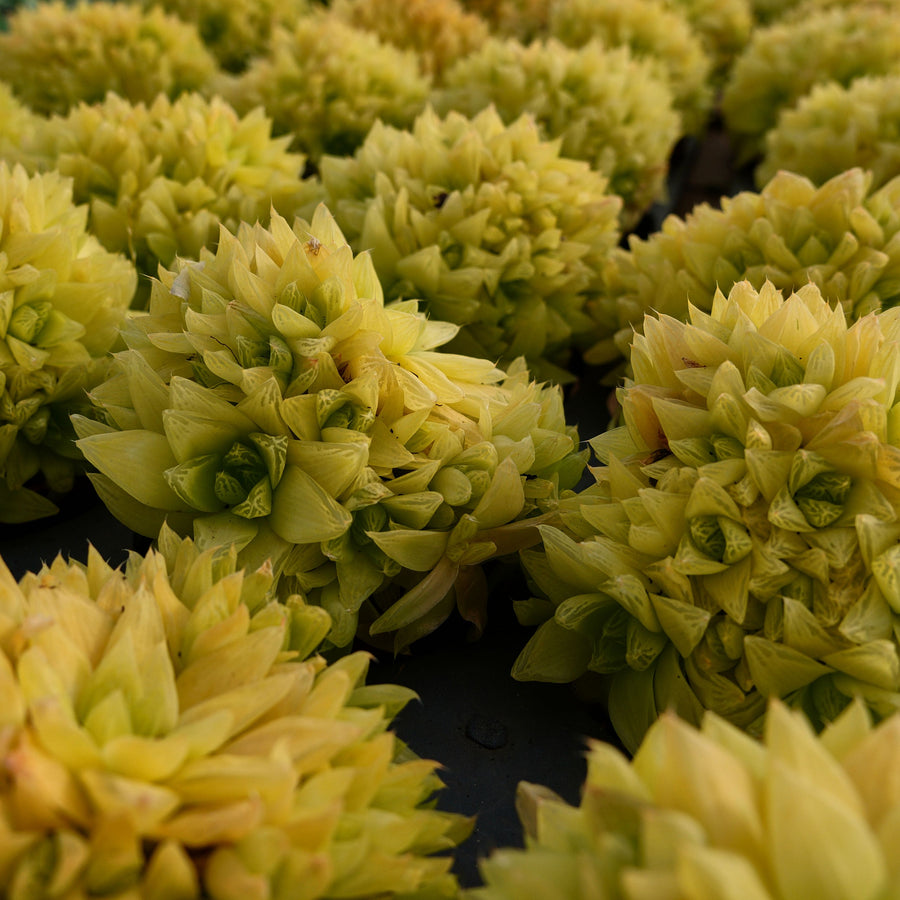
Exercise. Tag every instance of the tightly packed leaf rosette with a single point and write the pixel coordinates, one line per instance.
(709, 814)
(62, 299)
(841, 236)
(653, 30)
(835, 128)
(161, 179)
(234, 32)
(741, 540)
(607, 107)
(55, 56)
(487, 224)
(439, 31)
(326, 83)
(167, 733)
(271, 399)
(784, 61)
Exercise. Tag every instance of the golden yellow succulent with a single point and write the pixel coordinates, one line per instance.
(168, 732)
(55, 56)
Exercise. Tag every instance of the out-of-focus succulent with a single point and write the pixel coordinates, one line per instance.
(708, 814)
(272, 400)
(235, 32)
(653, 31)
(440, 31)
(524, 20)
(606, 106)
(167, 733)
(62, 298)
(834, 128)
(161, 179)
(487, 224)
(724, 27)
(326, 83)
(18, 125)
(741, 540)
(782, 63)
(54, 56)
(840, 236)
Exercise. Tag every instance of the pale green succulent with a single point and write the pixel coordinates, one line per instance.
(439, 31)
(841, 237)
(272, 400)
(708, 814)
(55, 56)
(834, 128)
(605, 105)
(161, 179)
(62, 299)
(234, 32)
(785, 60)
(326, 83)
(741, 539)
(18, 124)
(487, 224)
(168, 732)
(653, 30)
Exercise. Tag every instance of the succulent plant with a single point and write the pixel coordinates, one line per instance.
(235, 32)
(326, 83)
(439, 31)
(724, 27)
(653, 30)
(741, 539)
(270, 399)
(524, 20)
(167, 733)
(62, 298)
(785, 60)
(707, 814)
(18, 125)
(606, 107)
(485, 223)
(54, 56)
(840, 236)
(161, 179)
(834, 128)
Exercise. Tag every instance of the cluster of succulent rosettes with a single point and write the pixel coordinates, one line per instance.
(652, 30)
(270, 399)
(709, 814)
(167, 732)
(234, 32)
(55, 56)
(440, 31)
(835, 128)
(840, 236)
(161, 179)
(326, 83)
(784, 61)
(606, 106)
(487, 224)
(740, 540)
(62, 299)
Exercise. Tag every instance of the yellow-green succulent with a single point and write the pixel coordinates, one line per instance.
(605, 106)
(326, 83)
(168, 733)
(18, 125)
(160, 179)
(235, 33)
(440, 31)
(835, 128)
(653, 30)
(524, 20)
(785, 60)
(842, 237)
(271, 399)
(709, 814)
(487, 224)
(54, 56)
(62, 299)
(741, 539)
